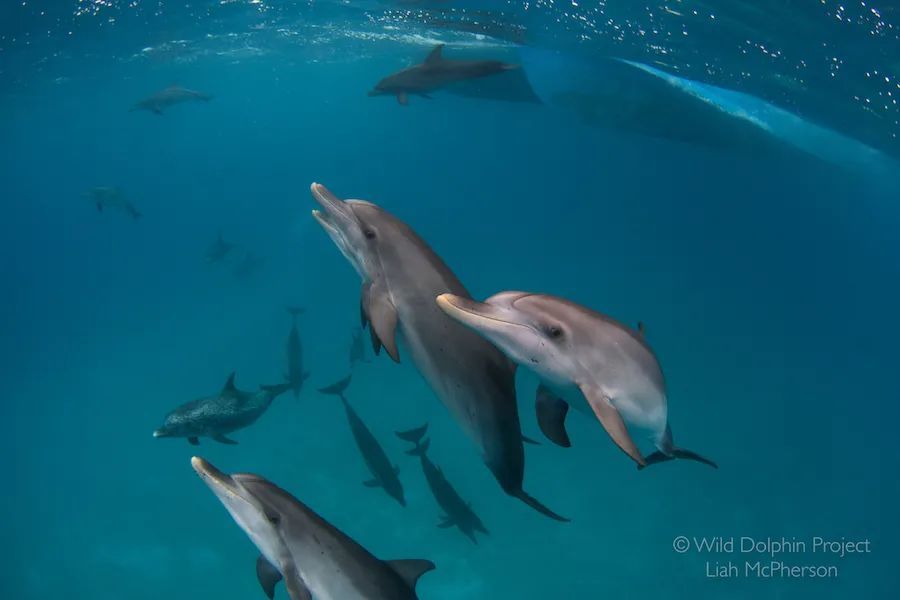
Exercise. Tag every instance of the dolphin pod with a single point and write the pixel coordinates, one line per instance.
(401, 277)
(584, 359)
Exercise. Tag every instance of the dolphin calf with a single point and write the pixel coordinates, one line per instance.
(112, 197)
(313, 557)
(295, 375)
(213, 417)
(459, 513)
(401, 277)
(584, 359)
(384, 474)
(219, 249)
(436, 72)
(170, 96)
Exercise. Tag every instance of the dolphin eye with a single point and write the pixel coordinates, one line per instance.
(554, 331)
(369, 233)
(273, 519)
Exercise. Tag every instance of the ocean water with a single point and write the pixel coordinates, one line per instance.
(745, 209)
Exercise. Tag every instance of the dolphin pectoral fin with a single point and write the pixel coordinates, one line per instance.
(267, 575)
(382, 316)
(403, 99)
(531, 441)
(426, 96)
(681, 453)
(551, 416)
(296, 588)
(156, 111)
(373, 483)
(410, 569)
(612, 422)
(536, 505)
(223, 440)
(446, 522)
(194, 440)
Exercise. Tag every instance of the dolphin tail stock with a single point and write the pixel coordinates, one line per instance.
(669, 451)
(537, 505)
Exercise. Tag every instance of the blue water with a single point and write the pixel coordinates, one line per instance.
(768, 282)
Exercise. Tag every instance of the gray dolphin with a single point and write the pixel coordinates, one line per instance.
(401, 277)
(384, 474)
(213, 417)
(295, 375)
(459, 513)
(170, 96)
(314, 557)
(105, 197)
(584, 359)
(436, 72)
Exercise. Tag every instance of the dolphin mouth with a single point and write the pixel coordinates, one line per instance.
(335, 215)
(220, 483)
(477, 315)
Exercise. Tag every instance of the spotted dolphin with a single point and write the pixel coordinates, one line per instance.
(313, 557)
(384, 474)
(584, 359)
(458, 512)
(436, 72)
(401, 277)
(215, 416)
(169, 97)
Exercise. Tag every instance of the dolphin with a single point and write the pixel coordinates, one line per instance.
(213, 417)
(314, 557)
(295, 374)
(170, 96)
(248, 266)
(357, 348)
(219, 249)
(384, 474)
(112, 197)
(401, 277)
(436, 72)
(584, 359)
(459, 513)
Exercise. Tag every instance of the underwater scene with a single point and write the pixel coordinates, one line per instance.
(450, 299)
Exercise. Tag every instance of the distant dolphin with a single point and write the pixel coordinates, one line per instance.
(314, 558)
(170, 96)
(436, 72)
(112, 197)
(213, 417)
(383, 472)
(459, 513)
(584, 359)
(357, 348)
(249, 265)
(219, 249)
(401, 277)
(295, 375)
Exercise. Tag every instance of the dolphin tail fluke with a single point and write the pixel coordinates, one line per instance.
(421, 449)
(669, 451)
(536, 505)
(412, 435)
(336, 389)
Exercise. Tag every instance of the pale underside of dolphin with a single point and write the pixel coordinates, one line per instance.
(584, 359)
(401, 277)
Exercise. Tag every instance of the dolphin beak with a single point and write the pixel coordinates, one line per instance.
(477, 315)
(335, 211)
(158, 433)
(217, 481)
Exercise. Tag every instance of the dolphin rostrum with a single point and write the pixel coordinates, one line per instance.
(584, 359)
(295, 374)
(401, 277)
(434, 73)
(384, 474)
(312, 556)
(112, 197)
(215, 416)
(459, 513)
(170, 96)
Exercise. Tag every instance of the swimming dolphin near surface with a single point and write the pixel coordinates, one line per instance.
(315, 558)
(584, 359)
(434, 73)
(170, 96)
(213, 417)
(459, 513)
(384, 474)
(295, 375)
(357, 348)
(401, 278)
(219, 249)
(112, 197)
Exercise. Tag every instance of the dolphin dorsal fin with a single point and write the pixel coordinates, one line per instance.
(410, 569)
(229, 385)
(435, 56)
